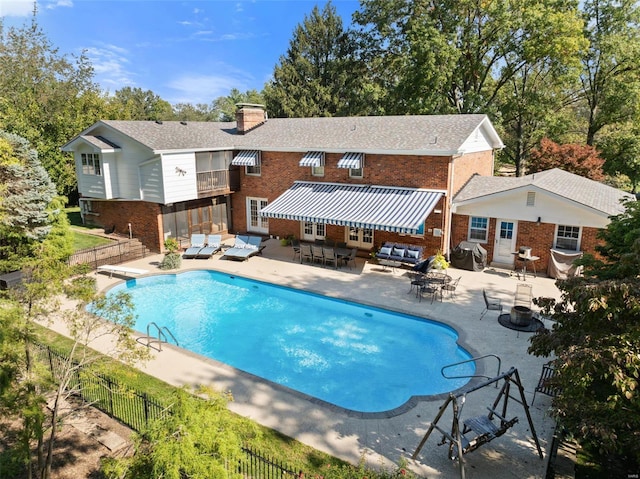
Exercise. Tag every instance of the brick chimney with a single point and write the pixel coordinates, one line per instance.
(249, 116)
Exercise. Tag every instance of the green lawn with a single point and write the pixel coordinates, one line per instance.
(83, 240)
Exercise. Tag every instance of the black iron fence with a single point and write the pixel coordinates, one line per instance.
(136, 409)
(115, 253)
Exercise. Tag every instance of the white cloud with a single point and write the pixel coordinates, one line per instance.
(16, 8)
(110, 64)
(24, 8)
(198, 88)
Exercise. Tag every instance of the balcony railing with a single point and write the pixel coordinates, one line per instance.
(217, 181)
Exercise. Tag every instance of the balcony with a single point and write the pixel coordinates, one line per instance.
(216, 182)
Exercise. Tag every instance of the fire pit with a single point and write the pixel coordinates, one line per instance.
(521, 316)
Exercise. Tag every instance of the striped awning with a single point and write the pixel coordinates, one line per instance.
(351, 160)
(312, 158)
(400, 210)
(246, 158)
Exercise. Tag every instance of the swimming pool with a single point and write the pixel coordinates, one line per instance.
(356, 357)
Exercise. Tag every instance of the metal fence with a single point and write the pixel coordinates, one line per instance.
(116, 253)
(136, 409)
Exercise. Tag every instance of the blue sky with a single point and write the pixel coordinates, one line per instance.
(184, 51)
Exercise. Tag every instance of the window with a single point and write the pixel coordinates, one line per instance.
(255, 169)
(478, 229)
(568, 238)
(91, 164)
(318, 170)
(355, 172)
(360, 237)
(312, 231)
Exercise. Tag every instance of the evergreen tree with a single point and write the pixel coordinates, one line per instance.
(311, 79)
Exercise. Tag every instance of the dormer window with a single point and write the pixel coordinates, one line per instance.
(91, 164)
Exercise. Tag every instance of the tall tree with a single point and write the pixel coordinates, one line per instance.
(611, 64)
(455, 56)
(137, 104)
(620, 147)
(582, 160)
(27, 192)
(310, 80)
(224, 107)
(45, 97)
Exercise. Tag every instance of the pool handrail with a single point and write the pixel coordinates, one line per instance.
(472, 375)
(161, 337)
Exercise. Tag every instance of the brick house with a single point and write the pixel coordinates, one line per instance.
(425, 180)
(548, 211)
(358, 180)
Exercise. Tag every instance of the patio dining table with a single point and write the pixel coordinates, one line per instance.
(431, 278)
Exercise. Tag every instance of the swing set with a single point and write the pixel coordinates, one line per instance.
(467, 435)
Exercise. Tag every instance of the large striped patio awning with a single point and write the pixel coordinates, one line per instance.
(246, 158)
(351, 160)
(312, 158)
(401, 210)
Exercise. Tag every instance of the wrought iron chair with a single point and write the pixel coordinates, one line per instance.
(491, 304)
(451, 287)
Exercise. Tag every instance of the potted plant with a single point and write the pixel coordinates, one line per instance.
(172, 259)
(440, 262)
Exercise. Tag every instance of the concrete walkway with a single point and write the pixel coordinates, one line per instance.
(381, 440)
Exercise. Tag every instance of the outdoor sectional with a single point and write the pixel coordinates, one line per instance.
(404, 253)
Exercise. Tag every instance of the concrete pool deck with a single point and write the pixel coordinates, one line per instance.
(381, 440)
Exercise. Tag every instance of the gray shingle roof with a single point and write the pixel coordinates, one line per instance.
(573, 187)
(420, 133)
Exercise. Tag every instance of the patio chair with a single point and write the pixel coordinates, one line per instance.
(491, 304)
(523, 295)
(351, 258)
(244, 248)
(214, 244)
(295, 244)
(305, 252)
(329, 256)
(430, 288)
(543, 383)
(197, 243)
(317, 253)
(451, 287)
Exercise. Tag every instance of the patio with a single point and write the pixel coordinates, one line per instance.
(381, 439)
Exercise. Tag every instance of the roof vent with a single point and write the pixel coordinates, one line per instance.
(183, 122)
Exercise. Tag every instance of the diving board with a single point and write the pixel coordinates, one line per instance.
(110, 268)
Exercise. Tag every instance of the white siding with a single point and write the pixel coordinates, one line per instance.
(477, 141)
(151, 184)
(179, 177)
(91, 186)
(550, 209)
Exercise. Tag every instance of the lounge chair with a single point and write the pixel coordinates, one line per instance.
(244, 248)
(197, 243)
(214, 244)
(491, 304)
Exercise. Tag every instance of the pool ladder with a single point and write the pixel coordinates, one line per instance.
(162, 336)
(472, 375)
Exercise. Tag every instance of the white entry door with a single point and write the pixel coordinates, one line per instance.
(505, 243)
(255, 222)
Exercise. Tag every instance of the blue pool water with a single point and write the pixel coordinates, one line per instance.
(357, 357)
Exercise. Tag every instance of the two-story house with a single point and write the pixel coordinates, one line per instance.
(358, 180)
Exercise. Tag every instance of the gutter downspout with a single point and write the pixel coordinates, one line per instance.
(450, 204)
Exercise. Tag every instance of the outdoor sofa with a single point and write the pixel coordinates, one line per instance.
(403, 253)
